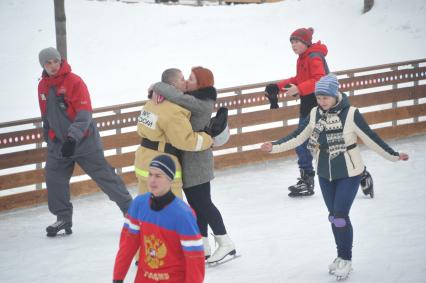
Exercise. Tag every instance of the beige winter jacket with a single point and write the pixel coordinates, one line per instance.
(166, 122)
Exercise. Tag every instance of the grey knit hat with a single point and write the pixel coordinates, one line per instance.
(328, 85)
(48, 54)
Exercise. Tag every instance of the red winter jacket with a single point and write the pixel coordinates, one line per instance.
(75, 94)
(309, 70)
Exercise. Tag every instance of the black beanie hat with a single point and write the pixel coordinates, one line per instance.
(166, 164)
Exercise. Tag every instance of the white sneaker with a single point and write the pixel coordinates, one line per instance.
(207, 249)
(344, 267)
(332, 267)
(226, 247)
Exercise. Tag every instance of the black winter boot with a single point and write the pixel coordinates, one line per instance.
(304, 186)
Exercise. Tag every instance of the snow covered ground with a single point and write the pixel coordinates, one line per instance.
(280, 239)
(120, 49)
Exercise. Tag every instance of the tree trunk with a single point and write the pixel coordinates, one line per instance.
(368, 4)
(61, 28)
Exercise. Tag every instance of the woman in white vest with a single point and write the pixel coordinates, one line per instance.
(332, 129)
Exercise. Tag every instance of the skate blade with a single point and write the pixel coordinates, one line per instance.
(226, 259)
(61, 233)
(304, 194)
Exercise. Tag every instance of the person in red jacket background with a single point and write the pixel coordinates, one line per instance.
(311, 66)
(165, 230)
(71, 136)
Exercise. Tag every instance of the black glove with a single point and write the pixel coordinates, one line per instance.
(272, 91)
(218, 123)
(68, 147)
(117, 281)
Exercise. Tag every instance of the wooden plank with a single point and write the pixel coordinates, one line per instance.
(399, 113)
(263, 117)
(23, 137)
(121, 140)
(247, 100)
(402, 131)
(21, 158)
(32, 156)
(36, 176)
(36, 197)
(383, 79)
(115, 121)
(16, 180)
(388, 96)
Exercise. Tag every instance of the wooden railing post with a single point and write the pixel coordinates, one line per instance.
(394, 104)
(416, 84)
(351, 92)
(38, 145)
(239, 111)
(118, 150)
(285, 104)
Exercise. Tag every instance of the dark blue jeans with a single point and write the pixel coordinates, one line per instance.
(303, 154)
(338, 197)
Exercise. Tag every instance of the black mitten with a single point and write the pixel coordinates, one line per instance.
(272, 91)
(68, 147)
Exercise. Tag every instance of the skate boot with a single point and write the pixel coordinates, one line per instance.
(226, 247)
(344, 267)
(207, 249)
(367, 184)
(305, 185)
(52, 230)
(332, 267)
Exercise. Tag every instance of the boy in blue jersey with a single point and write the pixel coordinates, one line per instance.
(165, 230)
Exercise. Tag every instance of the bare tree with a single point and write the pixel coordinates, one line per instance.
(61, 28)
(368, 4)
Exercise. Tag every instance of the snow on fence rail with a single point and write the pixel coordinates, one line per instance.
(392, 98)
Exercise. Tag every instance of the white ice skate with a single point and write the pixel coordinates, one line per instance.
(344, 267)
(226, 247)
(332, 267)
(207, 249)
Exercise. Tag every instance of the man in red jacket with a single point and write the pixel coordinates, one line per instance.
(311, 66)
(71, 136)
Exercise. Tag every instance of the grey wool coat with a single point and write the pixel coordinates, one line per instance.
(197, 167)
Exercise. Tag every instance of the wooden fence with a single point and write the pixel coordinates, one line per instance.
(392, 98)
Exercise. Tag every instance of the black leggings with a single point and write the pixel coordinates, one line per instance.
(207, 213)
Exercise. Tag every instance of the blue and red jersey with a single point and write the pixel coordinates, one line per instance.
(171, 248)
